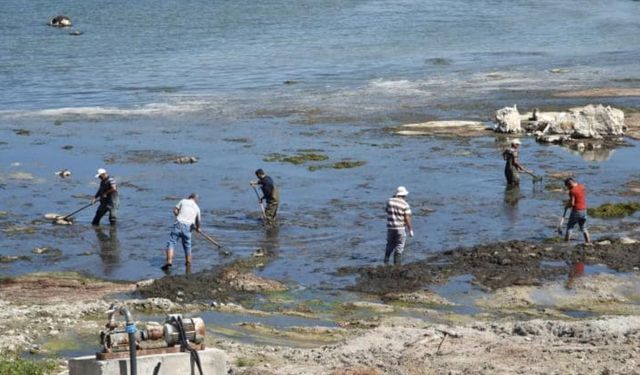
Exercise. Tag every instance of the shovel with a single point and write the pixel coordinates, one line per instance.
(264, 215)
(562, 220)
(210, 239)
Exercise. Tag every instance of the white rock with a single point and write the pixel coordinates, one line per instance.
(627, 241)
(548, 138)
(508, 120)
(591, 121)
(143, 283)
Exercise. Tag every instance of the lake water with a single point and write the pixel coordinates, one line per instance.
(232, 82)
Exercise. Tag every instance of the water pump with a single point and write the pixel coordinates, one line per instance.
(168, 337)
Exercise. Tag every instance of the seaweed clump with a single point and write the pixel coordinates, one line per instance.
(297, 159)
(344, 164)
(612, 210)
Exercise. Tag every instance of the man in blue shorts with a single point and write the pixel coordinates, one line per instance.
(187, 215)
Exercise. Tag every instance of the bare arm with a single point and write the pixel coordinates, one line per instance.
(516, 163)
(407, 222)
(571, 201)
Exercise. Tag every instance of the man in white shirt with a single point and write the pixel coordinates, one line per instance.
(187, 215)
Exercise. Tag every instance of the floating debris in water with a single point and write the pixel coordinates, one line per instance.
(186, 160)
(24, 132)
(63, 173)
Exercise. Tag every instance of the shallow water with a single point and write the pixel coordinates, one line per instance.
(329, 218)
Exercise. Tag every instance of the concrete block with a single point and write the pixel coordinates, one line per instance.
(214, 362)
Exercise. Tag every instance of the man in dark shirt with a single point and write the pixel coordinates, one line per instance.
(270, 194)
(107, 194)
(512, 165)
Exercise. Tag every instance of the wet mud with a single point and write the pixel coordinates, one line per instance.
(494, 266)
(232, 282)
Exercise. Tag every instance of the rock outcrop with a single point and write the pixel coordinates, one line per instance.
(444, 128)
(508, 120)
(588, 122)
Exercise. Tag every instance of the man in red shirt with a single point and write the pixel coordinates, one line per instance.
(578, 203)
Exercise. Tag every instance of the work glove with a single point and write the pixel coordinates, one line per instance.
(411, 233)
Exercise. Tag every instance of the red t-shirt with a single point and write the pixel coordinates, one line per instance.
(580, 197)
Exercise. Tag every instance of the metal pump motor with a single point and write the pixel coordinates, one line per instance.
(155, 339)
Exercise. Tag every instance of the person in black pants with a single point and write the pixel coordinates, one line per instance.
(107, 194)
(270, 194)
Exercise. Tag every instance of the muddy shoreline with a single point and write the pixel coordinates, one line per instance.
(495, 266)
(398, 309)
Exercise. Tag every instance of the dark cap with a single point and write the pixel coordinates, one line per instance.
(193, 196)
(259, 171)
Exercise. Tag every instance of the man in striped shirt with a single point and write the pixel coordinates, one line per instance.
(398, 218)
(107, 194)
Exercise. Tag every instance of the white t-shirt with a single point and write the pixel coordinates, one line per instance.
(188, 211)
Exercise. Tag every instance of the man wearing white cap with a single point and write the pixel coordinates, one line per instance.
(398, 218)
(512, 165)
(107, 194)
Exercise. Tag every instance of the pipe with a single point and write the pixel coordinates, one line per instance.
(131, 330)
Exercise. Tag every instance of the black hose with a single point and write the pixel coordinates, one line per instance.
(184, 343)
(131, 330)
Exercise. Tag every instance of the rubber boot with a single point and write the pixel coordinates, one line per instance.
(386, 260)
(397, 259)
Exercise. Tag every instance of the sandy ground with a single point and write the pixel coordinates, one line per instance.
(523, 329)
(406, 346)
(599, 93)
(632, 120)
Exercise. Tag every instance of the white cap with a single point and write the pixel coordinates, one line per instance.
(101, 171)
(516, 141)
(402, 191)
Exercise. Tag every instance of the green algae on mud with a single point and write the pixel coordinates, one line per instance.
(300, 158)
(12, 364)
(344, 164)
(247, 362)
(614, 210)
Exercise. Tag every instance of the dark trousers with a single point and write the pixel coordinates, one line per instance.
(271, 211)
(102, 210)
(513, 178)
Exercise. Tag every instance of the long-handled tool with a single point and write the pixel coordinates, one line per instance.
(562, 220)
(65, 220)
(210, 239)
(535, 177)
(264, 214)
(78, 210)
